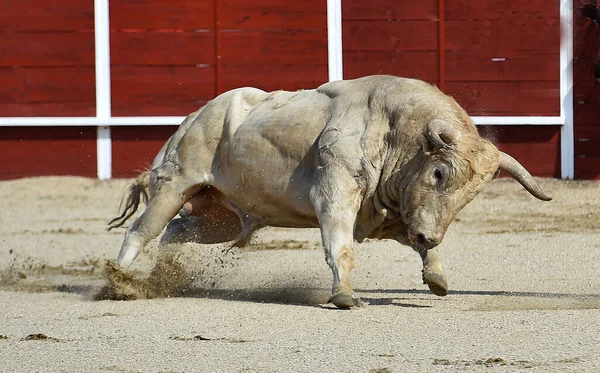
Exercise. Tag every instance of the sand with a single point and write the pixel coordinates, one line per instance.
(523, 275)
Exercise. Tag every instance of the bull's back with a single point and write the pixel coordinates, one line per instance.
(207, 138)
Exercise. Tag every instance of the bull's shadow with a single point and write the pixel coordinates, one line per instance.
(531, 294)
(318, 297)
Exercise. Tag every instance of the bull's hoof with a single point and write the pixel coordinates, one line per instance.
(346, 300)
(436, 282)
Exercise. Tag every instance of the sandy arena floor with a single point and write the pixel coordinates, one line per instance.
(524, 292)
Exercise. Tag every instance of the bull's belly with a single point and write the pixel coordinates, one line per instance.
(270, 197)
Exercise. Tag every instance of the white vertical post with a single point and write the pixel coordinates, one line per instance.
(334, 40)
(567, 135)
(103, 104)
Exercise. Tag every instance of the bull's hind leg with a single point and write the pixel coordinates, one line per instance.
(433, 273)
(203, 220)
(170, 196)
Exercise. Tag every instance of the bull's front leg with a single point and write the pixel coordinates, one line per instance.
(339, 254)
(336, 212)
(433, 273)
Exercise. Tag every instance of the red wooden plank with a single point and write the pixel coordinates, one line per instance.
(61, 84)
(500, 9)
(47, 15)
(507, 98)
(583, 74)
(499, 37)
(412, 64)
(585, 37)
(390, 10)
(134, 148)
(389, 36)
(47, 109)
(288, 47)
(587, 168)
(587, 141)
(587, 113)
(47, 49)
(161, 14)
(272, 14)
(160, 90)
(42, 151)
(520, 66)
(12, 85)
(159, 108)
(586, 100)
(162, 48)
(586, 89)
(535, 147)
(272, 77)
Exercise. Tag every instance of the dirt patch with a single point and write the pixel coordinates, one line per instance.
(380, 370)
(531, 304)
(488, 363)
(39, 337)
(105, 314)
(500, 362)
(202, 338)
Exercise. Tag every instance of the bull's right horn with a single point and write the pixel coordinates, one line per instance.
(442, 134)
(513, 167)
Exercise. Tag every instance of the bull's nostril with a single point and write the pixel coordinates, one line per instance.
(421, 239)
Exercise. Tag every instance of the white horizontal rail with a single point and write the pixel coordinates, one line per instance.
(90, 121)
(519, 120)
(176, 120)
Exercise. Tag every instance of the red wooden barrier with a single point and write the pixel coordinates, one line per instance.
(501, 58)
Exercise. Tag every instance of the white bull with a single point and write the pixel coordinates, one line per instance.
(375, 157)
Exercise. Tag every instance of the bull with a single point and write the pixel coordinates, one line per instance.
(378, 157)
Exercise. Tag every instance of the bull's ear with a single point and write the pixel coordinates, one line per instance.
(442, 134)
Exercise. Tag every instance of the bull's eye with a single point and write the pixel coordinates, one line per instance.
(438, 174)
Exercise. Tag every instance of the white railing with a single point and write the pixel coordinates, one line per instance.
(104, 120)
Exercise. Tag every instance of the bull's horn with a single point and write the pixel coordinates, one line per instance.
(442, 134)
(513, 167)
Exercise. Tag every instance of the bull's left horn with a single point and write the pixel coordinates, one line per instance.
(442, 134)
(513, 167)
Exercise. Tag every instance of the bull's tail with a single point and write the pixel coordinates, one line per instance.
(138, 190)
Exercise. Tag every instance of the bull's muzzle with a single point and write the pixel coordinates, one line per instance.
(423, 239)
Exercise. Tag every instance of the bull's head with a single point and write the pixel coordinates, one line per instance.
(456, 164)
